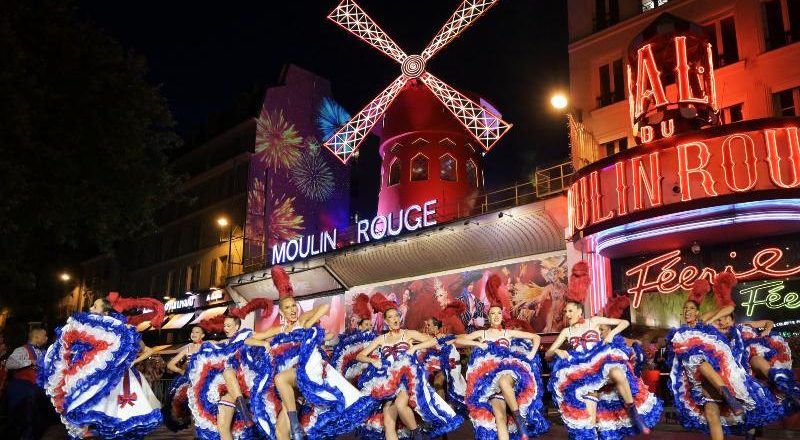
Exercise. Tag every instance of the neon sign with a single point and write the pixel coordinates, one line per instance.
(672, 173)
(774, 298)
(380, 226)
(660, 275)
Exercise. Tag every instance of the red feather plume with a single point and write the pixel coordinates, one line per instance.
(450, 317)
(616, 307)
(579, 282)
(282, 282)
(214, 325)
(700, 288)
(380, 303)
(497, 293)
(723, 285)
(361, 306)
(121, 305)
(256, 304)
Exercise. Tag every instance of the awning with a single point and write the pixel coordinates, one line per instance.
(177, 322)
(209, 314)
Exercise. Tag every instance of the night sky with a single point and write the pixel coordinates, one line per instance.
(205, 55)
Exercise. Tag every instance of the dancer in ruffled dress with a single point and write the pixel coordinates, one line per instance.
(331, 406)
(88, 372)
(443, 361)
(399, 381)
(593, 384)
(176, 412)
(351, 343)
(503, 375)
(712, 391)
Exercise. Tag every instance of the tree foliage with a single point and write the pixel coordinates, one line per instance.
(83, 138)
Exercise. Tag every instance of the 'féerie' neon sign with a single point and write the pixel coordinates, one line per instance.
(668, 280)
(775, 298)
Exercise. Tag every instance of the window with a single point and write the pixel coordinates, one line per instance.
(652, 4)
(170, 286)
(781, 22)
(787, 102)
(472, 173)
(722, 36)
(194, 277)
(447, 168)
(212, 280)
(731, 114)
(612, 83)
(419, 167)
(606, 13)
(616, 146)
(394, 172)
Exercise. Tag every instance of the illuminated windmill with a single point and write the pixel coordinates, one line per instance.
(415, 120)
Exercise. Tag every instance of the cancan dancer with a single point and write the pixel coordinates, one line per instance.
(502, 378)
(399, 381)
(593, 384)
(176, 412)
(443, 361)
(88, 372)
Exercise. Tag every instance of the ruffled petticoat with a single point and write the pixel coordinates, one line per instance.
(402, 372)
(456, 386)
(344, 354)
(330, 405)
(176, 412)
(87, 374)
(689, 347)
(587, 371)
(208, 385)
(484, 371)
(775, 350)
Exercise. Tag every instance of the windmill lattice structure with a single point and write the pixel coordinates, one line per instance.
(483, 124)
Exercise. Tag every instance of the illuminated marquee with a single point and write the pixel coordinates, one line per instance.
(660, 275)
(380, 226)
(685, 168)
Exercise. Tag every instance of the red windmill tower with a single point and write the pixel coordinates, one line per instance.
(432, 136)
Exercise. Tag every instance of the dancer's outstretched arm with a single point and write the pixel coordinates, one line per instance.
(713, 316)
(555, 347)
(470, 340)
(765, 325)
(425, 341)
(144, 353)
(618, 326)
(311, 317)
(364, 355)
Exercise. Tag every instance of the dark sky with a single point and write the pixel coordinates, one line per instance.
(206, 54)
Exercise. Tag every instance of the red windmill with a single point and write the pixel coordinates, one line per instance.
(416, 128)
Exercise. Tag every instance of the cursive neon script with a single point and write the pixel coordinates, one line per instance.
(774, 298)
(668, 279)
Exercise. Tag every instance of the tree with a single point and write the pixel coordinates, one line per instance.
(83, 138)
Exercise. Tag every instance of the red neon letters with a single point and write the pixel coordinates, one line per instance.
(659, 274)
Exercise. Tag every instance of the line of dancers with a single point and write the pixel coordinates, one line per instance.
(406, 384)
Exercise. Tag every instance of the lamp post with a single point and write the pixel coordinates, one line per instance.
(223, 222)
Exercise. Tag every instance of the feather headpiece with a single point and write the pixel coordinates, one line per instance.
(579, 282)
(361, 307)
(497, 293)
(723, 285)
(700, 288)
(122, 305)
(380, 303)
(256, 304)
(282, 282)
(616, 307)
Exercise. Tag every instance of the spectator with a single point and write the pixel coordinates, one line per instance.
(26, 400)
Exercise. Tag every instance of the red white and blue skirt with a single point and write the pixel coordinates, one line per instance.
(87, 374)
(689, 347)
(176, 412)
(401, 372)
(328, 406)
(343, 357)
(484, 371)
(638, 358)
(207, 385)
(776, 352)
(455, 384)
(587, 371)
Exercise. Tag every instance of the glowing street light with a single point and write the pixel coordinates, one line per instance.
(559, 101)
(65, 277)
(222, 221)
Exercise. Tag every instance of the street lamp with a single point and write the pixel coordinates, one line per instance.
(65, 277)
(559, 101)
(223, 222)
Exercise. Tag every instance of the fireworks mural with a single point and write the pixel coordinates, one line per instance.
(293, 188)
(278, 143)
(311, 175)
(331, 117)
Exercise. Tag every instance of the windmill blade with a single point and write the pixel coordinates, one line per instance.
(484, 125)
(345, 141)
(465, 15)
(351, 17)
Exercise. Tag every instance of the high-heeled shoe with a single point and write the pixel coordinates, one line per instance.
(636, 419)
(244, 411)
(295, 430)
(522, 423)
